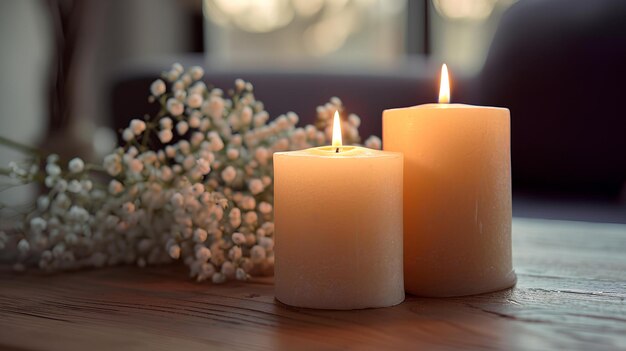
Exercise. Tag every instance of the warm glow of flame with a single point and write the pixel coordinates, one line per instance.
(444, 87)
(336, 130)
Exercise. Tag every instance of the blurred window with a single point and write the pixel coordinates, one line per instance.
(362, 33)
(462, 31)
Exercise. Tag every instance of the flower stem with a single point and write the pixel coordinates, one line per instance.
(19, 146)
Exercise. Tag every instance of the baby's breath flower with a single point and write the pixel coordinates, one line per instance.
(196, 138)
(61, 186)
(267, 243)
(184, 147)
(218, 278)
(248, 203)
(165, 123)
(178, 87)
(38, 224)
(170, 151)
(172, 75)
(228, 269)
(240, 84)
(299, 136)
(203, 253)
(78, 214)
(182, 127)
(205, 124)
(23, 246)
(174, 251)
(238, 238)
(86, 184)
(135, 165)
(240, 274)
(177, 67)
(76, 165)
(115, 187)
(373, 142)
(251, 218)
(198, 88)
(261, 118)
(268, 227)
(52, 158)
(216, 141)
(137, 126)
(128, 207)
(235, 252)
(265, 208)
(157, 88)
(165, 135)
(354, 120)
(261, 154)
(186, 78)
(175, 107)
(74, 186)
(236, 140)
(194, 119)
(235, 217)
(216, 106)
(257, 254)
(196, 72)
(207, 155)
(282, 144)
(132, 151)
(164, 202)
(194, 100)
(232, 153)
(166, 174)
(228, 174)
(53, 170)
(189, 162)
(293, 118)
(203, 166)
(256, 186)
(180, 95)
(200, 235)
(128, 135)
(310, 131)
(113, 164)
(43, 202)
(177, 200)
(246, 115)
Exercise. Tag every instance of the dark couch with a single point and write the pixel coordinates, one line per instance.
(558, 65)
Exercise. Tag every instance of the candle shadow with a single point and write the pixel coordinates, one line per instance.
(468, 322)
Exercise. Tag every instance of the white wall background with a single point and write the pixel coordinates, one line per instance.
(24, 58)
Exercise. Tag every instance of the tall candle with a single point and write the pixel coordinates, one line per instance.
(338, 222)
(457, 195)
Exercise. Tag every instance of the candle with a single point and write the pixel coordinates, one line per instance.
(457, 195)
(338, 226)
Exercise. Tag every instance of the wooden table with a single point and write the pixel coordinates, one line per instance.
(570, 295)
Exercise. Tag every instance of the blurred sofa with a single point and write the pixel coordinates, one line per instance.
(558, 65)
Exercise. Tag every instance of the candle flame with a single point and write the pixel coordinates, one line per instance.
(444, 86)
(336, 130)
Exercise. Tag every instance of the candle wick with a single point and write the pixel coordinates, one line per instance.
(337, 150)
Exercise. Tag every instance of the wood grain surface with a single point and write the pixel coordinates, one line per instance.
(570, 295)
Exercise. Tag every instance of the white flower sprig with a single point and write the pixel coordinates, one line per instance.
(193, 183)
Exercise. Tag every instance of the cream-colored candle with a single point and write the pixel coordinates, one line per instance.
(338, 218)
(457, 196)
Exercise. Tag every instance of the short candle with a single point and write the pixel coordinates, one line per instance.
(457, 195)
(338, 226)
